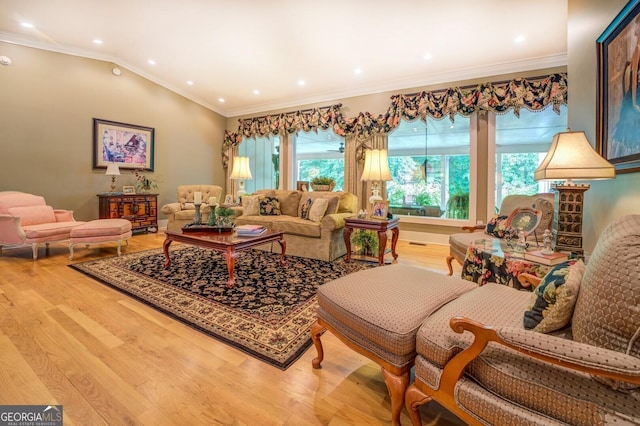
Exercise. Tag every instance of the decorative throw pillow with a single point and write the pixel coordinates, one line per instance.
(553, 300)
(318, 208)
(305, 207)
(497, 227)
(269, 206)
(251, 205)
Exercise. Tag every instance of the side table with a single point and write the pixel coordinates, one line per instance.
(380, 226)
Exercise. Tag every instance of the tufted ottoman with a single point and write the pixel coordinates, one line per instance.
(377, 312)
(100, 231)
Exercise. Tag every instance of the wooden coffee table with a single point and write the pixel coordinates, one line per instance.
(229, 243)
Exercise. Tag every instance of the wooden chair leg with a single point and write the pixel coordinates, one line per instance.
(449, 260)
(317, 331)
(396, 385)
(414, 398)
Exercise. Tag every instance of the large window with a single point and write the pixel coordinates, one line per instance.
(264, 161)
(319, 154)
(520, 145)
(430, 165)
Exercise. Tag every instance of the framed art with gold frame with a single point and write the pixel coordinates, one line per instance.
(128, 189)
(380, 209)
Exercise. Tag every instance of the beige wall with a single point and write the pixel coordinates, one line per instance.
(48, 104)
(609, 199)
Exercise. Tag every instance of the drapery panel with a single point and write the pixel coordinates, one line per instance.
(534, 94)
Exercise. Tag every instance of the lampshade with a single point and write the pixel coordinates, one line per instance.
(572, 157)
(241, 168)
(113, 170)
(376, 166)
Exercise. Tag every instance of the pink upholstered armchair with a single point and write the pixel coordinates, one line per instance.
(26, 219)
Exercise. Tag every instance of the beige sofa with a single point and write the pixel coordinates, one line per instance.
(321, 239)
(459, 242)
(183, 211)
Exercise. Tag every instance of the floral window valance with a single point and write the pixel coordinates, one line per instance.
(534, 94)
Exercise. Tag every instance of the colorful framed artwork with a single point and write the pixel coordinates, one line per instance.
(127, 145)
(380, 209)
(618, 106)
(128, 189)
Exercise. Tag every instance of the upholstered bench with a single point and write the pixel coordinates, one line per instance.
(100, 231)
(377, 312)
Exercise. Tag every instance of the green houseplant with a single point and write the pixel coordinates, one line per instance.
(323, 183)
(365, 242)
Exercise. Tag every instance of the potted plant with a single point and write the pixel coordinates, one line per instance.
(366, 242)
(144, 182)
(323, 183)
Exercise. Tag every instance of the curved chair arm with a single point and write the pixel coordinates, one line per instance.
(63, 215)
(554, 350)
(473, 228)
(171, 208)
(11, 231)
(527, 280)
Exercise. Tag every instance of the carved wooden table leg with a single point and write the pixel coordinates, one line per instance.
(395, 233)
(230, 258)
(165, 248)
(283, 249)
(347, 242)
(382, 246)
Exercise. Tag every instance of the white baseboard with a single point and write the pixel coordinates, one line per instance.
(424, 237)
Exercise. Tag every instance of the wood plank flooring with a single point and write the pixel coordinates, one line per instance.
(110, 360)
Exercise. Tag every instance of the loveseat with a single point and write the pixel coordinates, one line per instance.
(26, 219)
(313, 222)
(459, 242)
(183, 211)
(476, 357)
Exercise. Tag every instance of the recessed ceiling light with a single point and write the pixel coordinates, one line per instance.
(427, 57)
(97, 41)
(151, 62)
(256, 92)
(221, 100)
(519, 39)
(357, 71)
(190, 83)
(27, 25)
(301, 83)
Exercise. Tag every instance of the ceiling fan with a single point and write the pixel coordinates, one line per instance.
(340, 150)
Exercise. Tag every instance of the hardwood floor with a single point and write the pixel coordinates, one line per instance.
(108, 359)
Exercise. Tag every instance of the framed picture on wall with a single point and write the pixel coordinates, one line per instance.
(129, 146)
(618, 106)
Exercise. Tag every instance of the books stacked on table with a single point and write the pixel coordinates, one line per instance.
(546, 259)
(250, 230)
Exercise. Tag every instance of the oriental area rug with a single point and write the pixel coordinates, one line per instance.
(268, 314)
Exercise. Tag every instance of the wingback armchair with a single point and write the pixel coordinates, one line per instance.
(478, 357)
(183, 210)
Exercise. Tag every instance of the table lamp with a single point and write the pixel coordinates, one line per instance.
(113, 170)
(376, 169)
(571, 157)
(240, 172)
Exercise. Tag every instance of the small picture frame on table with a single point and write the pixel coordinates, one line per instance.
(128, 189)
(380, 209)
(302, 186)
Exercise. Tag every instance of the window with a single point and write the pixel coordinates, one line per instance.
(264, 161)
(430, 165)
(520, 145)
(319, 154)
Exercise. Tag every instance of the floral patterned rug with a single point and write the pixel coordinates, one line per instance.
(268, 314)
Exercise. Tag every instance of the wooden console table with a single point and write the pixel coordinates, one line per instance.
(381, 227)
(139, 209)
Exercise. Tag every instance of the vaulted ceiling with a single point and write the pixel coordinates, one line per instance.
(245, 56)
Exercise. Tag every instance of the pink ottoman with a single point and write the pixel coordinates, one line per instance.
(100, 231)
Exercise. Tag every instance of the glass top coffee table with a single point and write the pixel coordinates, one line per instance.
(229, 243)
(495, 260)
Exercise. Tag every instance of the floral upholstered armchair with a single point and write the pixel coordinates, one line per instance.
(183, 211)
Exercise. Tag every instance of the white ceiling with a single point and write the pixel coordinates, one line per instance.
(229, 48)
